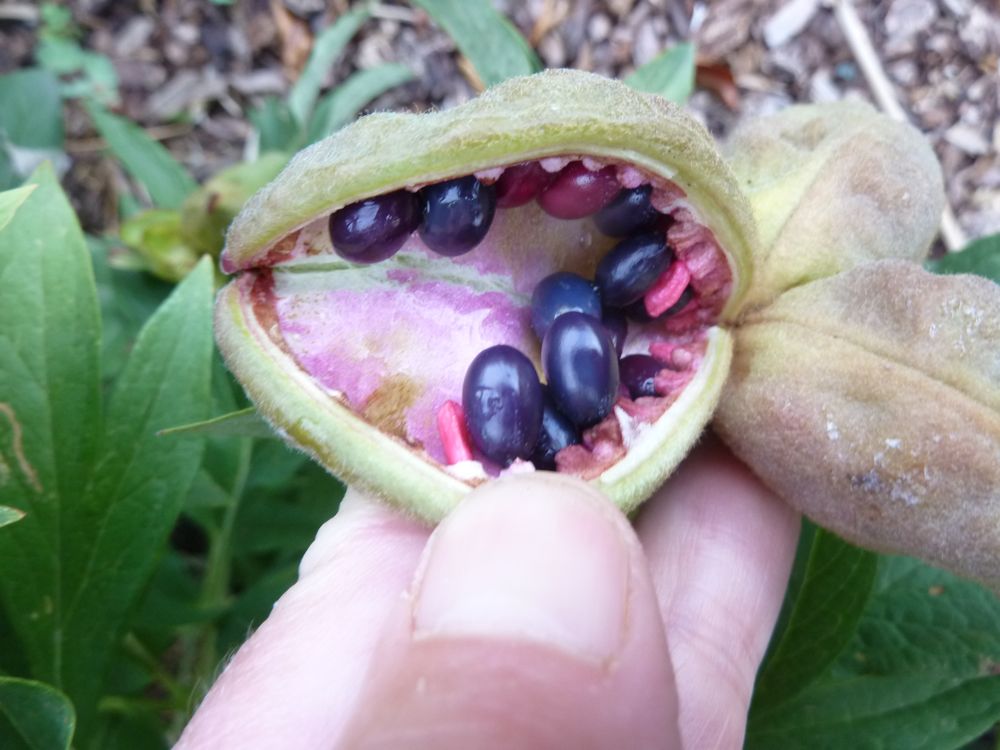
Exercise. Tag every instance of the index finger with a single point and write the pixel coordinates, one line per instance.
(720, 547)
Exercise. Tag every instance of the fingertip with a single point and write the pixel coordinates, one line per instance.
(531, 623)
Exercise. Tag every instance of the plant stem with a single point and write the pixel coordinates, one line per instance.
(215, 588)
(138, 651)
(199, 661)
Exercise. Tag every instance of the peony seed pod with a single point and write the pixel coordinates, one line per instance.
(353, 335)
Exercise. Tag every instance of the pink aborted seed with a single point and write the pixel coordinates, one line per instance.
(577, 192)
(667, 289)
(454, 433)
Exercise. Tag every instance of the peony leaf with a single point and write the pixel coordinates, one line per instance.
(920, 672)
(493, 45)
(981, 257)
(34, 716)
(828, 601)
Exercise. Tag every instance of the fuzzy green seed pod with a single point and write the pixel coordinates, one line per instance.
(864, 391)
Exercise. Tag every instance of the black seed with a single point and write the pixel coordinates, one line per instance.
(581, 368)
(457, 215)
(375, 228)
(502, 400)
(561, 293)
(617, 325)
(629, 213)
(637, 374)
(557, 433)
(631, 268)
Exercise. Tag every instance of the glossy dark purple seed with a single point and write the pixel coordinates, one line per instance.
(581, 368)
(502, 401)
(637, 311)
(637, 373)
(456, 215)
(561, 293)
(520, 184)
(629, 213)
(375, 228)
(631, 268)
(617, 325)
(576, 191)
(557, 433)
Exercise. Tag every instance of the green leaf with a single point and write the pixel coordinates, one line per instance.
(146, 160)
(276, 128)
(981, 257)
(10, 201)
(130, 730)
(50, 423)
(31, 109)
(341, 105)
(920, 673)
(34, 716)
(9, 515)
(142, 479)
(100, 493)
(835, 585)
(670, 74)
(327, 46)
(127, 298)
(883, 713)
(242, 423)
(492, 44)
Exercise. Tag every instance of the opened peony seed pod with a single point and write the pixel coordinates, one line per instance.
(567, 274)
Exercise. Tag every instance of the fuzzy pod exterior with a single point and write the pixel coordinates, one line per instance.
(870, 401)
(832, 186)
(552, 114)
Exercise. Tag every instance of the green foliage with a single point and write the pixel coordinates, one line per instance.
(167, 182)
(492, 44)
(341, 105)
(34, 716)
(242, 423)
(830, 589)
(916, 666)
(670, 74)
(99, 490)
(31, 127)
(84, 74)
(9, 515)
(326, 48)
(305, 117)
(10, 201)
(981, 257)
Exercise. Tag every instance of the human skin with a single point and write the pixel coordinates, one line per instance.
(534, 616)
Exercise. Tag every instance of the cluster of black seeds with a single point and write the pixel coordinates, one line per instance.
(582, 324)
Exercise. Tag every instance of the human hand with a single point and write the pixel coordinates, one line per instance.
(535, 616)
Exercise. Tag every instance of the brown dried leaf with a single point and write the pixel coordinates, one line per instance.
(296, 39)
(717, 77)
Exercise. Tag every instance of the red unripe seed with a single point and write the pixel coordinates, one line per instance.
(577, 192)
(520, 184)
(454, 433)
(667, 289)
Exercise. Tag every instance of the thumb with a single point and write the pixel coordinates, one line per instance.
(531, 622)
